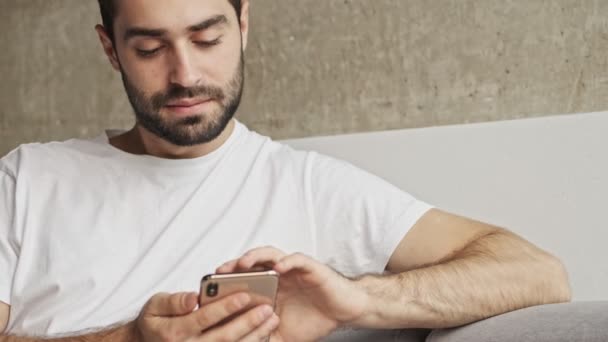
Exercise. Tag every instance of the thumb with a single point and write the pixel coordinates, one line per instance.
(166, 305)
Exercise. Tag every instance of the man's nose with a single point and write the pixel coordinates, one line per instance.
(184, 72)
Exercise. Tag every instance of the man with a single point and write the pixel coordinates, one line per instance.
(106, 239)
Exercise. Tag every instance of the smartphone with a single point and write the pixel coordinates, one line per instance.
(261, 286)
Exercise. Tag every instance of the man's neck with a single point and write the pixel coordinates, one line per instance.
(140, 141)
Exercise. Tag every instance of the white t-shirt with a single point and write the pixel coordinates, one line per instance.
(88, 233)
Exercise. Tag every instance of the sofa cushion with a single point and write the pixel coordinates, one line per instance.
(578, 321)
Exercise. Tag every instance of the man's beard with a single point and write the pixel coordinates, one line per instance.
(195, 129)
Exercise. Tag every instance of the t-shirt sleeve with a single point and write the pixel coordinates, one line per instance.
(359, 218)
(8, 247)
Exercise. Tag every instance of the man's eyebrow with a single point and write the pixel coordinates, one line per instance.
(213, 21)
(157, 33)
(139, 31)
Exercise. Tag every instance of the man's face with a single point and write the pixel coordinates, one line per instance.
(182, 66)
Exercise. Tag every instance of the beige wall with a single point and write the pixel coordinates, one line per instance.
(317, 67)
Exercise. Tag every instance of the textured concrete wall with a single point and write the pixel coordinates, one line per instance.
(317, 67)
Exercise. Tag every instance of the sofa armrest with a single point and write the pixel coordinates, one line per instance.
(577, 321)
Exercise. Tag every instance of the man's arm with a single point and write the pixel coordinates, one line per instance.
(454, 271)
(123, 333)
(174, 317)
(4, 312)
(451, 271)
(126, 332)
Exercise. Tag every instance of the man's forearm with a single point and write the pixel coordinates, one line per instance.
(124, 333)
(497, 273)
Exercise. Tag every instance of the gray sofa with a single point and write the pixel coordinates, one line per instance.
(577, 321)
(545, 179)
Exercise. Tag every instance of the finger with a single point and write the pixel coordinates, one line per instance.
(297, 261)
(233, 267)
(211, 314)
(241, 326)
(227, 267)
(165, 304)
(270, 254)
(260, 256)
(263, 331)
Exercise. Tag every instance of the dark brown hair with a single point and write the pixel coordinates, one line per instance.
(108, 12)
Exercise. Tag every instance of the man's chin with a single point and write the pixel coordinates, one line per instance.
(191, 120)
(192, 131)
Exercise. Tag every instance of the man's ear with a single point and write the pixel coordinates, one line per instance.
(108, 46)
(244, 21)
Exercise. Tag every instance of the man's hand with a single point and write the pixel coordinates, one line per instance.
(173, 317)
(312, 300)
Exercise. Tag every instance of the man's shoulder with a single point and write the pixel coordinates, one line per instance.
(267, 146)
(40, 155)
(288, 153)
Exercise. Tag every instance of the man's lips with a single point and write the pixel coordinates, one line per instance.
(187, 102)
(188, 106)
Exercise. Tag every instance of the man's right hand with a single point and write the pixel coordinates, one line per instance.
(172, 317)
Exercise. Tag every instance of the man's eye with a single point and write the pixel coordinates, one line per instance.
(208, 43)
(148, 53)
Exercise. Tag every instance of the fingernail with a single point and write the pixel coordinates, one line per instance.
(190, 299)
(274, 321)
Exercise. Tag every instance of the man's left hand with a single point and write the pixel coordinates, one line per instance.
(312, 301)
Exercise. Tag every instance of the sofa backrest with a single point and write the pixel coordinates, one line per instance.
(545, 179)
